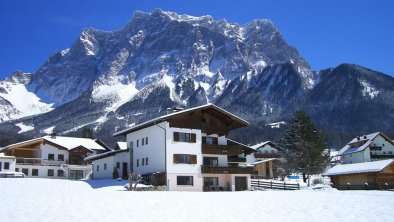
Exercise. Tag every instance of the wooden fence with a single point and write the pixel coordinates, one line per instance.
(274, 185)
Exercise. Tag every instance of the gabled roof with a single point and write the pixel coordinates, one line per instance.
(183, 112)
(364, 141)
(67, 143)
(356, 168)
(247, 149)
(257, 146)
(104, 155)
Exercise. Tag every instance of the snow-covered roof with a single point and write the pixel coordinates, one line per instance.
(262, 161)
(104, 155)
(257, 146)
(362, 141)
(121, 145)
(68, 143)
(169, 116)
(355, 168)
(74, 142)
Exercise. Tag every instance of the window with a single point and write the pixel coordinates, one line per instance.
(60, 157)
(211, 181)
(146, 140)
(383, 144)
(185, 137)
(210, 161)
(209, 140)
(105, 166)
(51, 173)
(16, 169)
(272, 151)
(138, 162)
(143, 161)
(143, 141)
(97, 168)
(60, 173)
(146, 161)
(6, 165)
(131, 145)
(184, 180)
(185, 158)
(350, 155)
(51, 156)
(138, 143)
(25, 171)
(117, 165)
(34, 172)
(265, 151)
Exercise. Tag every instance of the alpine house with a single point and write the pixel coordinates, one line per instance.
(188, 150)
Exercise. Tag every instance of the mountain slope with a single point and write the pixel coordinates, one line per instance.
(109, 80)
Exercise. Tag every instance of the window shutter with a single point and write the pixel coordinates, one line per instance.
(193, 159)
(193, 137)
(176, 136)
(177, 158)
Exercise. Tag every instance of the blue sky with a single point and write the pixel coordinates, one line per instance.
(326, 33)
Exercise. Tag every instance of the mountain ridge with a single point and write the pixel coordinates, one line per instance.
(108, 80)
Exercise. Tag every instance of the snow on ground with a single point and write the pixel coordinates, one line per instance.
(31, 199)
(24, 128)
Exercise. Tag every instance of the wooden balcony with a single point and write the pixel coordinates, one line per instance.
(236, 160)
(38, 161)
(231, 150)
(226, 170)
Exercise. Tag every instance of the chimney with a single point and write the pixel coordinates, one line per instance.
(173, 110)
(365, 136)
(358, 137)
(53, 135)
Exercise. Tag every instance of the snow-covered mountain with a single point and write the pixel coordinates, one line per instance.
(108, 80)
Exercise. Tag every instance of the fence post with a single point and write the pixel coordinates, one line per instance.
(348, 186)
(284, 185)
(271, 184)
(258, 183)
(298, 185)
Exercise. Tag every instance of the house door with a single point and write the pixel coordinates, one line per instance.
(124, 171)
(76, 174)
(241, 183)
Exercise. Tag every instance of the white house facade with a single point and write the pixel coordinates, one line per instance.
(7, 163)
(54, 156)
(188, 150)
(112, 164)
(367, 148)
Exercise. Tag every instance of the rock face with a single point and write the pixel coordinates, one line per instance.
(110, 80)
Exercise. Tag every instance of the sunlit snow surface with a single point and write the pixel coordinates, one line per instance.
(43, 200)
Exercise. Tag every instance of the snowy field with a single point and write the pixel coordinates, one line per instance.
(42, 200)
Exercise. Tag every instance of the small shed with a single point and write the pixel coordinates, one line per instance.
(368, 175)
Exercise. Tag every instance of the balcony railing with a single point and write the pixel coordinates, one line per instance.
(38, 161)
(226, 170)
(236, 160)
(221, 149)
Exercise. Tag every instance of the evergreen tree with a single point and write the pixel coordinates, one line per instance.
(87, 133)
(303, 147)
